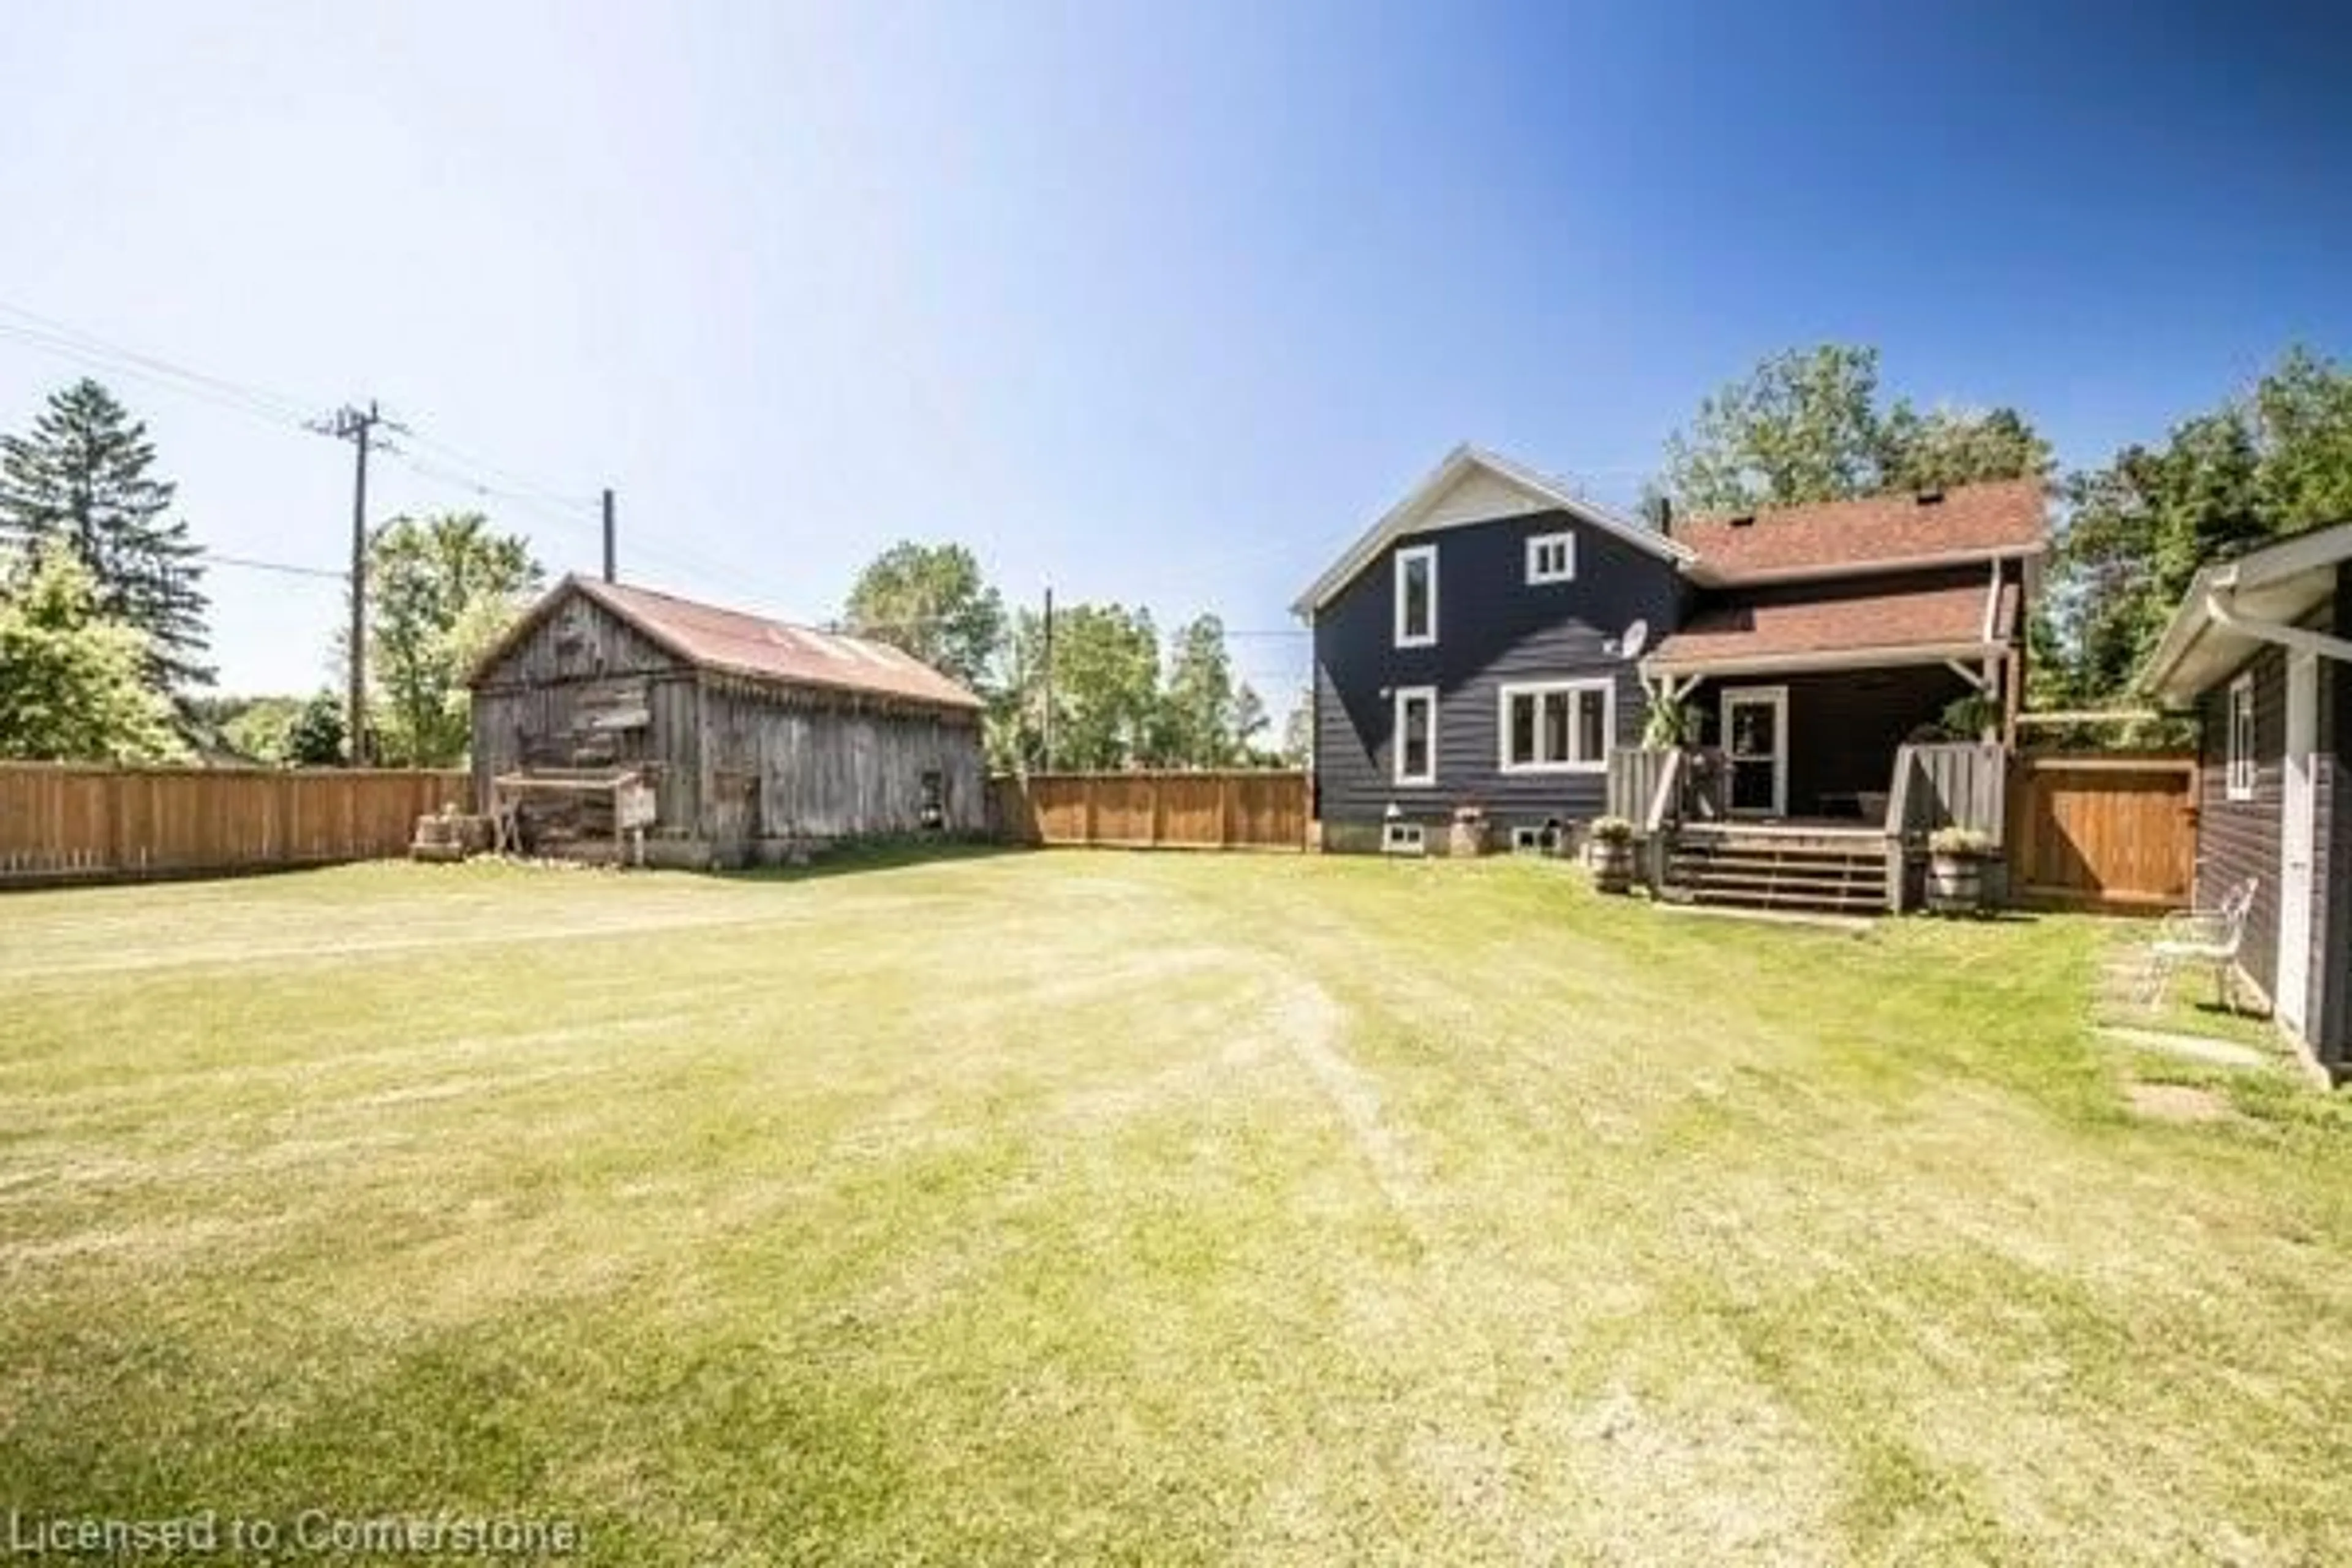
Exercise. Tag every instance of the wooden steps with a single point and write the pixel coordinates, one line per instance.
(1828, 869)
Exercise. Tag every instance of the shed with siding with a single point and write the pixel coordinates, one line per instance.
(757, 739)
(2261, 649)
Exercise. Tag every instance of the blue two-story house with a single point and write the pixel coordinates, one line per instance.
(1494, 636)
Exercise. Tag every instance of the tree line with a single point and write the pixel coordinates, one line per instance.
(2269, 462)
(103, 615)
(104, 639)
(1110, 694)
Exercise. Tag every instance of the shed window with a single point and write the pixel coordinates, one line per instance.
(2243, 770)
(1559, 726)
(1551, 558)
(1416, 596)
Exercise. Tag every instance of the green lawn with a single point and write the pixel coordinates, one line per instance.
(1183, 1208)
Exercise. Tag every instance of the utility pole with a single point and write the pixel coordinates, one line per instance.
(609, 569)
(1049, 677)
(349, 423)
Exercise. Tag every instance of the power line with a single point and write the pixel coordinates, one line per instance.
(288, 568)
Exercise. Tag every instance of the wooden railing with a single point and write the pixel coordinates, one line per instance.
(63, 823)
(1237, 809)
(1941, 784)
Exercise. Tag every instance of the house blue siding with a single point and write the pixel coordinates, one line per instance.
(1493, 628)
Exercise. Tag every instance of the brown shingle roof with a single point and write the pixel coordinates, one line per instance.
(2004, 516)
(1850, 623)
(759, 649)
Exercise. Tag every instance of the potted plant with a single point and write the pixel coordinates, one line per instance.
(1610, 845)
(1956, 861)
(1670, 724)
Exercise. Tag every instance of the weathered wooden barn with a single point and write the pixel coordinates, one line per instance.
(744, 740)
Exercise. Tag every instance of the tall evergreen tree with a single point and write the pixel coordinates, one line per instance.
(82, 478)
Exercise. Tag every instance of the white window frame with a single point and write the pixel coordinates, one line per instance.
(1527, 840)
(1426, 554)
(1403, 838)
(1565, 572)
(1404, 695)
(2242, 769)
(1539, 689)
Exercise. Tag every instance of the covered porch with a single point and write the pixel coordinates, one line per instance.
(1809, 692)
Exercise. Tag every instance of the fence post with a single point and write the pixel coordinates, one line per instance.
(1227, 784)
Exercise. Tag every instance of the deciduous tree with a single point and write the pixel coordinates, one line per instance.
(1806, 425)
(72, 682)
(440, 589)
(931, 601)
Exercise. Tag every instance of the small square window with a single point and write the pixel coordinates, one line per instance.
(1404, 838)
(1551, 558)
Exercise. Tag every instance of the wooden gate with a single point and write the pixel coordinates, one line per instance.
(2109, 831)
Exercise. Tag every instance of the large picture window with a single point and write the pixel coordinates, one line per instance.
(1557, 726)
(1416, 596)
(1416, 735)
(2242, 769)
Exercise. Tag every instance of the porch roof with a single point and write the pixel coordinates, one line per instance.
(1851, 631)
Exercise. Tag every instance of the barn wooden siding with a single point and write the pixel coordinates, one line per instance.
(1243, 809)
(69, 824)
(741, 769)
(534, 709)
(784, 764)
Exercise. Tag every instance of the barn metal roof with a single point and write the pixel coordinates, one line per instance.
(753, 646)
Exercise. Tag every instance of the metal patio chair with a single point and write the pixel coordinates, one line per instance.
(2197, 939)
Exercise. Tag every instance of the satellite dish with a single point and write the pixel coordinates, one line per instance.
(1636, 638)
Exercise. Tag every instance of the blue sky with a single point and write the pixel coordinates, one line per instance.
(1153, 302)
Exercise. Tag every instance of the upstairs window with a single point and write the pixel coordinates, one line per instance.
(1559, 726)
(1551, 558)
(1416, 735)
(1416, 596)
(2241, 767)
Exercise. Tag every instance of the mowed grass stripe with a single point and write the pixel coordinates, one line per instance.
(1098, 1208)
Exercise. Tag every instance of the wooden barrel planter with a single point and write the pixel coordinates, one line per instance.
(1955, 884)
(1609, 849)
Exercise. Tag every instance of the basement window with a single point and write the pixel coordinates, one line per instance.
(2243, 770)
(1403, 838)
(1528, 841)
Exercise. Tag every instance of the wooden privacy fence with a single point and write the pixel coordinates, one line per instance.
(64, 823)
(2103, 831)
(1243, 809)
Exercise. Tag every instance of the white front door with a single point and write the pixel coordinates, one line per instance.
(2298, 828)
(1756, 749)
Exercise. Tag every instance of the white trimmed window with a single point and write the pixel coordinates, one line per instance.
(1416, 735)
(1416, 596)
(1551, 558)
(2241, 765)
(1557, 726)
(1403, 838)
